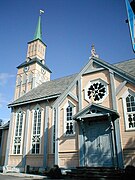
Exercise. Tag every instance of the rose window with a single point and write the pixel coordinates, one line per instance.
(96, 91)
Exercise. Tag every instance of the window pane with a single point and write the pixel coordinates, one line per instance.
(132, 98)
(127, 99)
(33, 149)
(15, 149)
(128, 104)
(37, 148)
(18, 149)
(128, 109)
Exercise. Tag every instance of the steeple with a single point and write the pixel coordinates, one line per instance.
(38, 32)
(33, 71)
(36, 47)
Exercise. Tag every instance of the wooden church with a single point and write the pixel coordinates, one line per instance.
(85, 119)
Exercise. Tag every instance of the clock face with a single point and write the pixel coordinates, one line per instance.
(26, 68)
(43, 71)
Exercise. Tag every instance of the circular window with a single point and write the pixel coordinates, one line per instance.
(96, 91)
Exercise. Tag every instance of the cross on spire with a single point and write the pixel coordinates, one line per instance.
(93, 52)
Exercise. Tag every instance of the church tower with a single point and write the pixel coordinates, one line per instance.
(33, 71)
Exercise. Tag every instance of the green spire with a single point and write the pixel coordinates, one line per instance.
(38, 33)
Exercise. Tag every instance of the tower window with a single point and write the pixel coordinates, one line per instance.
(29, 49)
(18, 83)
(24, 79)
(35, 47)
(30, 78)
(39, 48)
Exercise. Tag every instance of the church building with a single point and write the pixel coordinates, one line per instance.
(85, 119)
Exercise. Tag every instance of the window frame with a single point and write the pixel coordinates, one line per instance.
(91, 82)
(126, 113)
(36, 135)
(16, 134)
(69, 103)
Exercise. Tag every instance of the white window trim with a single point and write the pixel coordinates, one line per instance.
(18, 81)
(34, 109)
(65, 118)
(99, 80)
(24, 79)
(125, 109)
(22, 134)
(30, 77)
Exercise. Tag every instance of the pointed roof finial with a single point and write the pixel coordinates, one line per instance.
(93, 52)
(38, 33)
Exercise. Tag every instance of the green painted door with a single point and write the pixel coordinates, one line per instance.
(98, 144)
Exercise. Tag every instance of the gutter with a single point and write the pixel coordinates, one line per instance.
(31, 101)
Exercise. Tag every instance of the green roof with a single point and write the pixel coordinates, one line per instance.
(38, 33)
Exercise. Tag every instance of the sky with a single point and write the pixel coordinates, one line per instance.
(69, 28)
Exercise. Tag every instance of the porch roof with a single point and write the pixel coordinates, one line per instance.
(95, 110)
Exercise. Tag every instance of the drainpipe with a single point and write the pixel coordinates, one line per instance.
(113, 136)
(84, 141)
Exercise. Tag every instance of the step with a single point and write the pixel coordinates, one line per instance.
(99, 173)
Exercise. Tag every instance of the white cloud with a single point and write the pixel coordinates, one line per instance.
(4, 77)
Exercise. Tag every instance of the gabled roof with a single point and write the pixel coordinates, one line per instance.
(118, 69)
(95, 110)
(47, 90)
(5, 126)
(57, 87)
(127, 66)
(103, 65)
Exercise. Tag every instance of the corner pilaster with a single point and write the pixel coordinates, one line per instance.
(116, 122)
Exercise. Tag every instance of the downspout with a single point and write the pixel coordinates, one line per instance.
(56, 136)
(83, 150)
(113, 136)
(117, 137)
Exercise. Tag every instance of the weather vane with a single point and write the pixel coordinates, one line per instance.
(41, 11)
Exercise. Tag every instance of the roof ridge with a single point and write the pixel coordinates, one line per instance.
(123, 61)
(63, 77)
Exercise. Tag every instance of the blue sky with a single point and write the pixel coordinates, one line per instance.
(69, 29)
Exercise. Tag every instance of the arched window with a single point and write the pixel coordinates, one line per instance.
(18, 83)
(24, 79)
(129, 109)
(69, 126)
(36, 131)
(18, 132)
(130, 103)
(30, 77)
